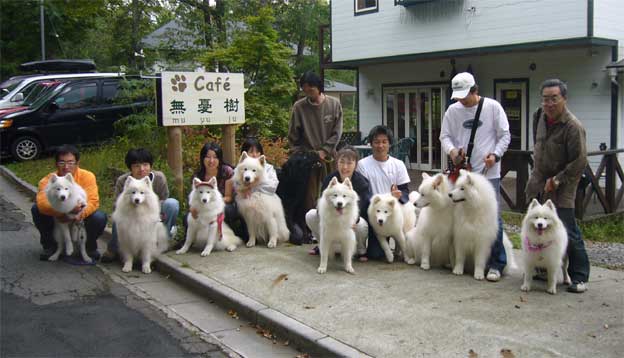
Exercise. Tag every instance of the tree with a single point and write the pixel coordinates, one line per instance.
(256, 52)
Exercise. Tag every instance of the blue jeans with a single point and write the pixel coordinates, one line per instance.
(578, 267)
(498, 258)
(169, 208)
(94, 225)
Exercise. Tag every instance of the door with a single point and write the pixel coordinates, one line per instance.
(416, 112)
(512, 95)
(71, 121)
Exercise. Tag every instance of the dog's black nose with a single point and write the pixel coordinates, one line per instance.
(339, 205)
(204, 201)
(136, 201)
(247, 179)
(450, 195)
(540, 225)
(380, 222)
(62, 197)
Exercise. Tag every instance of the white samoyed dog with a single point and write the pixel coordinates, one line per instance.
(263, 212)
(430, 241)
(338, 213)
(475, 224)
(544, 244)
(64, 194)
(137, 216)
(391, 219)
(209, 228)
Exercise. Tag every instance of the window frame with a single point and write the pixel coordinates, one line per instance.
(365, 11)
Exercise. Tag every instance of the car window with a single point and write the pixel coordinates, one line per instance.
(77, 96)
(9, 85)
(109, 91)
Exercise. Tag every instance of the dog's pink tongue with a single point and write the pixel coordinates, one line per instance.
(540, 231)
(339, 210)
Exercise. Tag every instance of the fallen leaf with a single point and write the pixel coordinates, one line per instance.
(233, 314)
(309, 307)
(472, 354)
(517, 306)
(523, 299)
(606, 326)
(506, 353)
(279, 279)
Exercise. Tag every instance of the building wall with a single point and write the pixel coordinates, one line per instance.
(608, 17)
(589, 96)
(455, 24)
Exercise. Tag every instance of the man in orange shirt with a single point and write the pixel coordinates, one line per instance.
(67, 159)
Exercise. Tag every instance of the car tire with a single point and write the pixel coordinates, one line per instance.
(26, 148)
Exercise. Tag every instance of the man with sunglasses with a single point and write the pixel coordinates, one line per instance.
(67, 159)
(560, 157)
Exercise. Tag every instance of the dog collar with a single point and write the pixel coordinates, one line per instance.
(535, 247)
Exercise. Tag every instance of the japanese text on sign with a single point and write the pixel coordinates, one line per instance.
(201, 98)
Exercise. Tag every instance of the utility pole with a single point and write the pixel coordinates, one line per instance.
(42, 25)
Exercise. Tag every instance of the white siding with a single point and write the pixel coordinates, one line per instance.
(589, 94)
(609, 21)
(447, 25)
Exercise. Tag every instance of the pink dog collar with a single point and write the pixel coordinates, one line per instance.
(535, 247)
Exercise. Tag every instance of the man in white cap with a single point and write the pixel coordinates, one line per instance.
(490, 143)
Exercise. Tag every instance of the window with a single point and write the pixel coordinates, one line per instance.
(77, 96)
(365, 6)
(109, 92)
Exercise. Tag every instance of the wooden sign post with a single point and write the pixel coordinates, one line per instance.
(199, 98)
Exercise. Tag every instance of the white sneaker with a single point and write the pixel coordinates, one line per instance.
(174, 231)
(493, 275)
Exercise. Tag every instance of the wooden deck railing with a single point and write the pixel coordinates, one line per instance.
(608, 195)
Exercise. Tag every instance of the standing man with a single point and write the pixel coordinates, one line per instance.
(140, 161)
(490, 143)
(67, 159)
(315, 126)
(386, 174)
(560, 157)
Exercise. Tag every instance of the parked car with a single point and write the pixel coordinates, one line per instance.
(15, 89)
(74, 112)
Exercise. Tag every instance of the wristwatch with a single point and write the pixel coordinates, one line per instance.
(496, 157)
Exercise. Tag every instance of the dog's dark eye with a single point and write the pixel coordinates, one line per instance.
(134, 192)
(254, 170)
(378, 211)
(385, 211)
(462, 188)
(141, 193)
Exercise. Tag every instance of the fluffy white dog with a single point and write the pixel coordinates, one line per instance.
(137, 217)
(262, 211)
(475, 221)
(64, 194)
(209, 227)
(430, 241)
(338, 212)
(391, 219)
(544, 244)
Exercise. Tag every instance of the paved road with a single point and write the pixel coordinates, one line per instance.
(56, 309)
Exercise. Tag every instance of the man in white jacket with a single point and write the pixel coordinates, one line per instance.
(490, 143)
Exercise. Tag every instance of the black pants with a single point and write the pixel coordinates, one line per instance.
(235, 221)
(94, 225)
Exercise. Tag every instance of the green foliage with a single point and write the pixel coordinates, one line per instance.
(256, 52)
(608, 229)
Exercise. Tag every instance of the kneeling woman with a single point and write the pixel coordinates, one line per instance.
(346, 160)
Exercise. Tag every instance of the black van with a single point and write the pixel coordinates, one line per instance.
(76, 112)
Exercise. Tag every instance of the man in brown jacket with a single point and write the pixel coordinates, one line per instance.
(315, 127)
(560, 157)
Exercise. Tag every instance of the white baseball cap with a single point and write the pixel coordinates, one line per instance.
(461, 84)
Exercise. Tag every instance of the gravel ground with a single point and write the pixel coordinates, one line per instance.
(605, 254)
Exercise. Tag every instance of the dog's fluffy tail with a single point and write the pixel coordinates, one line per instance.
(511, 261)
(162, 239)
(229, 237)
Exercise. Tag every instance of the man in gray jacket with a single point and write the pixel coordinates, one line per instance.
(140, 162)
(560, 157)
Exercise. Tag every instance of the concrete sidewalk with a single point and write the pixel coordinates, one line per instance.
(397, 310)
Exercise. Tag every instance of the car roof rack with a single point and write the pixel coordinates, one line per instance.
(59, 66)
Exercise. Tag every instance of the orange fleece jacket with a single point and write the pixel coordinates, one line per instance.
(85, 179)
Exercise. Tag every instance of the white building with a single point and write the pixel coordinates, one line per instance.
(404, 52)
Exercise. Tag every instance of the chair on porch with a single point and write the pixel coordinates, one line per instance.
(401, 150)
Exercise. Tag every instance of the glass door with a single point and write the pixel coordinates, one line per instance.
(513, 97)
(416, 112)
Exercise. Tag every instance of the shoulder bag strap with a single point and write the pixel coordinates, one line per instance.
(475, 124)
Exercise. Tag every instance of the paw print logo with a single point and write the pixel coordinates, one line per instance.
(178, 83)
